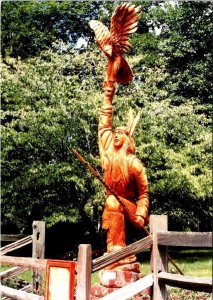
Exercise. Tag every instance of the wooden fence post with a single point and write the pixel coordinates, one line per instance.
(84, 269)
(159, 256)
(38, 253)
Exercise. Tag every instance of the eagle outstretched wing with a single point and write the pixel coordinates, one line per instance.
(124, 21)
(114, 43)
(102, 36)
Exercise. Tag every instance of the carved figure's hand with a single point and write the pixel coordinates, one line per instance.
(139, 222)
(144, 214)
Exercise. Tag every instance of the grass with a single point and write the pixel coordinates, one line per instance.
(12, 282)
(192, 262)
(195, 263)
(27, 275)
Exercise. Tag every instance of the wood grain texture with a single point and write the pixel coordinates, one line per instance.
(159, 255)
(38, 252)
(185, 239)
(29, 262)
(131, 289)
(12, 272)
(16, 245)
(106, 260)
(186, 282)
(18, 294)
(12, 237)
(84, 268)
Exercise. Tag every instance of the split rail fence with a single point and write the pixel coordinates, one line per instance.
(37, 239)
(159, 278)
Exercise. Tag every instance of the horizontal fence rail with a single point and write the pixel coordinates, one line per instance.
(130, 289)
(12, 272)
(16, 245)
(27, 289)
(185, 239)
(186, 282)
(106, 260)
(31, 263)
(12, 237)
(18, 294)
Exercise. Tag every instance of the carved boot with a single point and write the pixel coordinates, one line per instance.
(114, 223)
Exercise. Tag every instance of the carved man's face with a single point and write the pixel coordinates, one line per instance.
(119, 138)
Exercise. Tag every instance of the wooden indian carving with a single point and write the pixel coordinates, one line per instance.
(123, 171)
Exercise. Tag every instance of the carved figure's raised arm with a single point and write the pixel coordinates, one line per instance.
(105, 136)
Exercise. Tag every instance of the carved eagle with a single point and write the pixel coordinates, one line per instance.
(114, 43)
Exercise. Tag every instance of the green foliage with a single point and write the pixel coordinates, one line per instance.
(45, 113)
(28, 27)
(186, 45)
(175, 146)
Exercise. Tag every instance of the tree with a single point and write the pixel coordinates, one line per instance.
(29, 27)
(186, 45)
(46, 112)
(181, 93)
